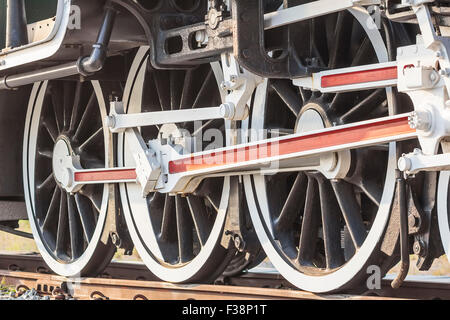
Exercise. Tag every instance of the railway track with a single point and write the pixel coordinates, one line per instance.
(132, 281)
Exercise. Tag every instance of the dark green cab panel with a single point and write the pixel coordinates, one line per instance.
(36, 10)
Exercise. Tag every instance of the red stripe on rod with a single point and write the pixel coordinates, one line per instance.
(307, 142)
(105, 175)
(364, 76)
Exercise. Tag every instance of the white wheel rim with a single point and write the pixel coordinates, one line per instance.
(74, 268)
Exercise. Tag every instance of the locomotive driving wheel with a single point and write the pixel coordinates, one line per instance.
(65, 118)
(321, 228)
(179, 238)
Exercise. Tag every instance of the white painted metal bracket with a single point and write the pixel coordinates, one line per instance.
(416, 161)
(310, 10)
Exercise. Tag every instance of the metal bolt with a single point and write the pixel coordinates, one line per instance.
(246, 53)
(404, 163)
(163, 140)
(115, 239)
(200, 37)
(438, 54)
(417, 151)
(420, 120)
(238, 242)
(170, 140)
(413, 222)
(433, 77)
(227, 110)
(2, 62)
(110, 121)
(419, 248)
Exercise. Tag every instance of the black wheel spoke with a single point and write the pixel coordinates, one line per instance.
(203, 127)
(95, 200)
(74, 228)
(310, 224)
(364, 107)
(175, 89)
(372, 190)
(331, 226)
(45, 153)
(87, 114)
(57, 102)
(76, 106)
(69, 93)
(351, 211)
(342, 32)
(276, 132)
(202, 223)
(293, 205)
(186, 95)
(184, 230)
(202, 91)
(213, 204)
(339, 100)
(92, 138)
(62, 232)
(289, 97)
(48, 183)
(168, 219)
(319, 41)
(362, 53)
(53, 209)
(51, 130)
(162, 83)
(86, 217)
(304, 94)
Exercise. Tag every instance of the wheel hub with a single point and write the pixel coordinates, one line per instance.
(61, 152)
(332, 165)
(64, 161)
(309, 120)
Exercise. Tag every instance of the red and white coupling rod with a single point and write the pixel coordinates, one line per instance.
(257, 155)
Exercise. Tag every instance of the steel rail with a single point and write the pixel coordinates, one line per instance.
(132, 280)
(119, 289)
